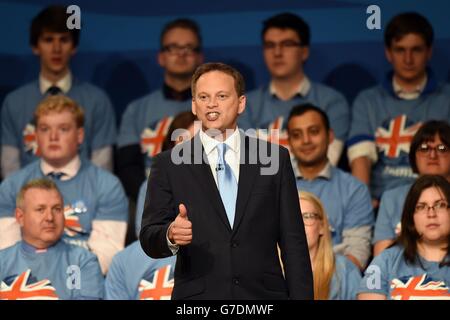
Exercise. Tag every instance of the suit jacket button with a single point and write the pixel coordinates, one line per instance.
(236, 281)
(234, 244)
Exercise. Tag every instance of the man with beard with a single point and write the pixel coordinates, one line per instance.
(346, 199)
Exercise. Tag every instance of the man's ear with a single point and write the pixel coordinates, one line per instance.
(161, 59)
(19, 216)
(242, 102)
(35, 50)
(388, 54)
(330, 136)
(193, 107)
(305, 54)
(80, 135)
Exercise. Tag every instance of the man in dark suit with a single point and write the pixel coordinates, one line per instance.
(223, 202)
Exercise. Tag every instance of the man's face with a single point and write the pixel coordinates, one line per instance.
(55, 50)
(180, 56)
(430, 160)
(216, 103)
(409, 57)
(283, 53)
(309, 139)
(42, 217)
(58, 137)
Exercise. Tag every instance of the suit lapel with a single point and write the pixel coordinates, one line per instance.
(203, 175)
(247, 174)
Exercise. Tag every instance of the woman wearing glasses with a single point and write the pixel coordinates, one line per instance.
(429, 154)
(335, 277)
(417, 266)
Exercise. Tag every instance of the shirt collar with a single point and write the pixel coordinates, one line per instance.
(70, 170)
(65, 83)
(325, 173)
(409, 95)
(302, 90)
(172, 94)
(32, 249)
(209, 143)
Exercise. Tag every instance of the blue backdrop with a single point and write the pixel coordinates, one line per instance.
(119, 40)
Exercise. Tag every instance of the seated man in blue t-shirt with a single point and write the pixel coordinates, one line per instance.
(386, 117)
(346, 199)
(42, 266)
(55, 45)
(286, 44)
(429, 154)
(146, 120)
(96, 207)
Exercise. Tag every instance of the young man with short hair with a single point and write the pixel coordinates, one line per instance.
(286, 48)
(54, 45)
(96, 206)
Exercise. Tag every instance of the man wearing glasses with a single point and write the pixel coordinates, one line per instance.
(286, 39)
(429, 154)
(146, 120)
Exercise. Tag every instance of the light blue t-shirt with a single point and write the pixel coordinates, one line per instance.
(18, 127)
(346, 201)
(381, 118)
(266, 111)
(146, 120)
(345, 281)
(93, 194)
(62, 271)
(388, 224)
(390, 275)
(133, 275)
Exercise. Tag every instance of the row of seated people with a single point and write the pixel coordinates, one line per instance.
(347, 201)
(41, 262)
(376, 130)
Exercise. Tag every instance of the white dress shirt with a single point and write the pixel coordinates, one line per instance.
(65, 83)
(232, 158)
(232, 155)
(70, 170)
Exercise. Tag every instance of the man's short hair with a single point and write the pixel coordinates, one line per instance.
(182, 23)
(301, 109)
(239, 83)
(406, 23)
(58, 104)
(43, 184)
(426, 133)
(52, 19)
(289, 21)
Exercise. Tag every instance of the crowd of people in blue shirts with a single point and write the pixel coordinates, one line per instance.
(74, 189)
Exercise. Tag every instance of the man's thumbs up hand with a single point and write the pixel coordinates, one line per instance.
(180, 231)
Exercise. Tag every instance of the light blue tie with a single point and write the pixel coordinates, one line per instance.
(227, 183)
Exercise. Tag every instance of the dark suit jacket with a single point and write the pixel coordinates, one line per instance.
(223, 262)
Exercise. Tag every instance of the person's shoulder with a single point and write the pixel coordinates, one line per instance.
(397, 191)
(391, 254)
(325, 90)
(6, 253)
(345, 264)
(256, 95)
(22, 91)
(145, 101)
(441, 90)
(101, 175)
(346, 177)
(19, 177)
(129, 253)
(87, 87)
(371, 93)
(76, 252)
